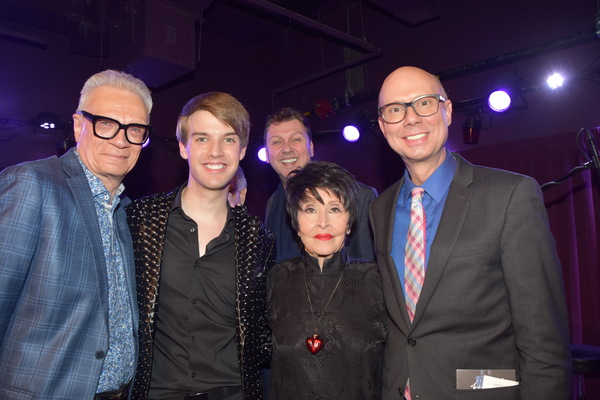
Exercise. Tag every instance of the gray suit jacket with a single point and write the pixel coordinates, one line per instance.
(53, 291)
(493, 296)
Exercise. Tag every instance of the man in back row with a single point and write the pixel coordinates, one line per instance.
(68, 314)
(288, 140)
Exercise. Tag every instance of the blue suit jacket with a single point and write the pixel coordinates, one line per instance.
(53, 285)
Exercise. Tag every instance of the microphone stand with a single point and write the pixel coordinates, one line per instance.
(593, 163)
(579, 168)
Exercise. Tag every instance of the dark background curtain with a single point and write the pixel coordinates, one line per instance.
(574, 212)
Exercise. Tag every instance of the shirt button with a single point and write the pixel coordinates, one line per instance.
(192, 338)
(193, 301)
(193, 229)
(412, 342)
(100, 355)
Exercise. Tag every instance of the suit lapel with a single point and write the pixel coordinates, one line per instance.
(384, 218)
(453, 217)
(127, 249)
(84, 203)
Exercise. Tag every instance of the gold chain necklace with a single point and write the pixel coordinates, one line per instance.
(314, 343)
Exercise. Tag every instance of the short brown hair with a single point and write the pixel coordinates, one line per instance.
(224, 107)
(284, 115)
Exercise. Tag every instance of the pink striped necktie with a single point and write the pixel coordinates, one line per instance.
(414, 258)
(407, 391)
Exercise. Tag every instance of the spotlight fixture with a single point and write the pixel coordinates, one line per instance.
(358, 125)
(499, 101)
(262, 154)
(471, 129)
(323, 109)
(47, 120)
(555, 81)
(351, 133)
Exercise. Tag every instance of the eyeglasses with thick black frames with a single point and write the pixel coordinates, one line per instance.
(108, 128)
(424, 106)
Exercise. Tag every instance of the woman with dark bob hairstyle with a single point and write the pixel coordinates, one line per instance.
(326, 309)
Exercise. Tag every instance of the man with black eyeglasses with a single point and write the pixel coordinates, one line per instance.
(68, 307)
(471, 278)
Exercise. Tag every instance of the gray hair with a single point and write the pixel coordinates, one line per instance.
(116, 79)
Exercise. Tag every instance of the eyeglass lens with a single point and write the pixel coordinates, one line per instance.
(107, 129)
(423, 106)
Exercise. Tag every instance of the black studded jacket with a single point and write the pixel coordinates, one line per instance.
(254, 254)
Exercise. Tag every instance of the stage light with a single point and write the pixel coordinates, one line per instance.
(499, 101)
(555, 81)
(471, 129)
(323, 109)
(47, 120)
(262, 154)
(359, 124)
(351, 133)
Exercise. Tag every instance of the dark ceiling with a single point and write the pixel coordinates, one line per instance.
(254, 23)
(287, 47)
(249, 21)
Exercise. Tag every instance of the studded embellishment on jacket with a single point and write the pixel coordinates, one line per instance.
(254, 254)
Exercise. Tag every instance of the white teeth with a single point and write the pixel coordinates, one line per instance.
(416, 137)
(214, 166)
(289, 160)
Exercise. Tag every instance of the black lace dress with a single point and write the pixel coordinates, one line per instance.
(353, 328)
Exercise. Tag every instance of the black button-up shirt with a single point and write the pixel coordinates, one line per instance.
(195, 348)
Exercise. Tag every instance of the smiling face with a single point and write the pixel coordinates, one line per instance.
(109, 159)
(323, 227)
(418, 140)
(213, 152)
(288, 147)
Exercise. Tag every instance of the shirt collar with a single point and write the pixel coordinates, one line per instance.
(177, 202)
(332, 265)
(99, 191)
(177, 205)
(436, 185)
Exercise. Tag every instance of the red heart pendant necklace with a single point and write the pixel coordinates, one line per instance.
(314, 343)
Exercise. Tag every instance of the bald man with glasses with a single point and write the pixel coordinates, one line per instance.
(471, 278)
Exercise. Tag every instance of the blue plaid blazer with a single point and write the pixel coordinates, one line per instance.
(53, 284)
